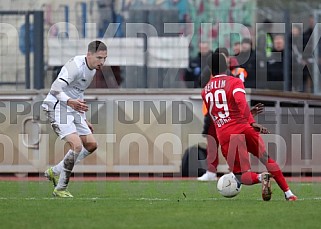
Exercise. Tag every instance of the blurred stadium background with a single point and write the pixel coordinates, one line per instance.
(149, 116)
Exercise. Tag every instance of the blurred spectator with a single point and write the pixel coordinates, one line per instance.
(265, 40)
(296, 48)
(197, 65)
(275, 62)
(247, 60)
(236, 48)
(308, 57)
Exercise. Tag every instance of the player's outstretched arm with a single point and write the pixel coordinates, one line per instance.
(257, 109)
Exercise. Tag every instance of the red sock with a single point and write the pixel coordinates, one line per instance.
(249, 178)
(277, 174)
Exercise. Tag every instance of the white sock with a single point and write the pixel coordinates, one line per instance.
(82, 155)
(288, 193)
(57, 169)
(259, 177)
(69, 162)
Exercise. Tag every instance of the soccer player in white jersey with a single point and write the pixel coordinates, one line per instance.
(65, 108)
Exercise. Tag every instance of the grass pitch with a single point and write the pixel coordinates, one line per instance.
(155, 204)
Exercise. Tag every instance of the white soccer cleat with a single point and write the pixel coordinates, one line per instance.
(208, 176)
(291, 198)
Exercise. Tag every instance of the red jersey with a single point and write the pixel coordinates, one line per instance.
(224, 97)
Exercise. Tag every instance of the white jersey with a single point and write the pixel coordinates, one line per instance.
(73, 79)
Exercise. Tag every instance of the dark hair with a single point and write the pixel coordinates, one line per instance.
(217, 63)
(96, 46)
(222, 50)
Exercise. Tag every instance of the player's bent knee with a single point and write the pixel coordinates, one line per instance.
(91, 147)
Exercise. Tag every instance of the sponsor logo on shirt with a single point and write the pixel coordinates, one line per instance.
(78, 89)
(222, 121)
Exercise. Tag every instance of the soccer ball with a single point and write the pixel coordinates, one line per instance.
(228, 185)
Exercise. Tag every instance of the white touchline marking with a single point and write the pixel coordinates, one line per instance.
(139, 199)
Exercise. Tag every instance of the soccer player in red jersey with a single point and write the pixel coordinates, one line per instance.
(209, 128)
(237, 131)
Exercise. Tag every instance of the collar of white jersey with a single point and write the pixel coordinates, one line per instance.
(221, 75)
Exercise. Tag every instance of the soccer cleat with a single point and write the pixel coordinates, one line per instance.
(208, 176)
(266, 186)
(51, 176)
(291, 198)
(62, 193)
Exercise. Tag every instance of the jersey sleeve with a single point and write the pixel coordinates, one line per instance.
(68, 72)
(240, 99)
(67, 75)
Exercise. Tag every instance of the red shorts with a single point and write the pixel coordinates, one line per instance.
(236, 150)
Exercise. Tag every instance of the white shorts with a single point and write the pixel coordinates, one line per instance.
(67, 121)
